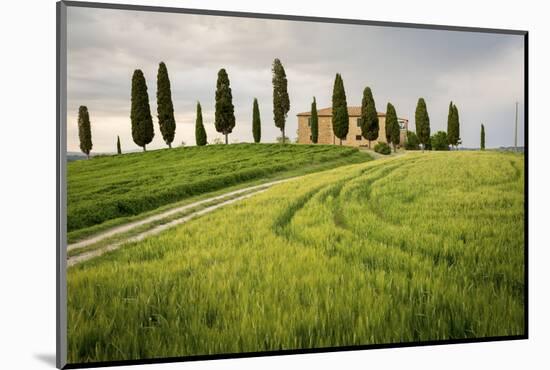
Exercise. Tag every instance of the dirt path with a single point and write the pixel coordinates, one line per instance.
(250, 191)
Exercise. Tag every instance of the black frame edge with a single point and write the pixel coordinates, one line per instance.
(225, 356)
(526, 182)
(226, 13)
(61, 149)
(58, 351)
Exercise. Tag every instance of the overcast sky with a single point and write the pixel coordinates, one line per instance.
(481, 73)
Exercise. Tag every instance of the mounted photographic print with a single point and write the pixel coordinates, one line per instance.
(236, 184)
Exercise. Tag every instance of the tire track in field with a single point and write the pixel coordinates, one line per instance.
(281, 226)
(429, 259)
(433, 257)
(281, 223)
(338, 214)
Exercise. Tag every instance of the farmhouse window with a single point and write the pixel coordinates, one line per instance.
(357, 137)
(358, 122)
(309, 122)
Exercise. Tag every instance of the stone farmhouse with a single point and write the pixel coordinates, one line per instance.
(354, 138)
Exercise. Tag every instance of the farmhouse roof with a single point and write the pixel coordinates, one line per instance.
(352, 112)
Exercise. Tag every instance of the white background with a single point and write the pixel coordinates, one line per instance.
(27, 181)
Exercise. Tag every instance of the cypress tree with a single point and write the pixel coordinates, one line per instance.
(118, 148)
(456, 127)
(165, 108)
(256, 122)
(224, 117)
(314, 122)
(388, 122)
(200, 132)
(140, 115)
(482, 143)
(281, 101)
(340, 116)
(84, 130)
(393, 132)
(453, 125)
(450, 123)
(369, 117)
(422, 123)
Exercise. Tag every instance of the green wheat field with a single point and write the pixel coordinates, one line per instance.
(415, 247)
(117, 187)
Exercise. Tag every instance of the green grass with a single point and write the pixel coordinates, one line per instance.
(425, 246)
(107, 191)
(121, 237)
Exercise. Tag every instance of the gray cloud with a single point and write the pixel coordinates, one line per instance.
(482, 73)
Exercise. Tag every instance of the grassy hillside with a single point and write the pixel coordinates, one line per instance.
(107, 188)
(425, 246)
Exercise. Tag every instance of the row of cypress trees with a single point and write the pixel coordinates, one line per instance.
(452, 137)
(224, 120)
(368, 121)
(441, 140)
(422, 123)
(224, 117)
(140, 113)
